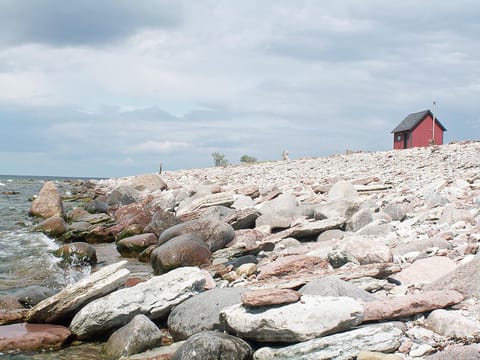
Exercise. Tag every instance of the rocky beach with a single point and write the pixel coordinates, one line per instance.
(361, 255)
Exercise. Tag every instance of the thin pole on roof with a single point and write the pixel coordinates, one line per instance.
(433, 124)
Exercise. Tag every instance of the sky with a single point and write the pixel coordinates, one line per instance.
(108, 88)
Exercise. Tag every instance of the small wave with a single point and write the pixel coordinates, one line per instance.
(2, 184)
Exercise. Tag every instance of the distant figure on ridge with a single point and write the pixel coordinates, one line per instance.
(285, 155)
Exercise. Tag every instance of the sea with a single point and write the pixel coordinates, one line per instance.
(26, 257)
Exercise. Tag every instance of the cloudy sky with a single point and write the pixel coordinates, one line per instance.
(114, 87)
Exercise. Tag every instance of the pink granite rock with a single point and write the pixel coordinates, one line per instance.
(409, 305)
(267, 297)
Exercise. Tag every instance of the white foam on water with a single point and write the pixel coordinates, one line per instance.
(2, 184)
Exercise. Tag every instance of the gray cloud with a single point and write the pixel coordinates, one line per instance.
(86, 22)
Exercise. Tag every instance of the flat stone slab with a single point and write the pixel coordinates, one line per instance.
(409, 305)
(312, 317)
(385, 337)
(62, 305)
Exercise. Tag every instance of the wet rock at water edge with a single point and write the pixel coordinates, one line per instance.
(32, 336)
(48, 202)
(77, 253)
(54, 226)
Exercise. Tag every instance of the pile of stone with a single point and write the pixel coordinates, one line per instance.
(355, 256)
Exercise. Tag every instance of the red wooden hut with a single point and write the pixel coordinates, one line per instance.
(417, 130)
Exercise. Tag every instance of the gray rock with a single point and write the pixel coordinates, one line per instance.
(138, 335)
(338, 258)
(154, 298)
(214, 345)
(293, 322)
(183, 250)
(341, 190)
(123, 195)
(330, 235)
(61, 306)
(96, 206)
(395, 211)
(452, 324)
(239, 261)
(337, 208)
(467, 352)
(32, 295)
(201, 312)
(216, 234)
(200, 202)
(333, 286)
(273, 221)
(359, 220)
(243, 219)
(285, 205)
(385, 337)
(367, 250)
(376, 228)
(166, 352)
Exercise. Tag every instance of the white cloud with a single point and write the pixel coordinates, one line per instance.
(160, 147)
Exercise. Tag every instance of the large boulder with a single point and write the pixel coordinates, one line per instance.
(132, 246)
(200, 312)
(385, 337)
(138, 335)
(216, 234)
(359, 220)
(154, 298)
(214, 345)
(183, 250)
(299, 321)
(48, 202)
(27, 337)
(337, 208)
(60, 307)
(333, 286)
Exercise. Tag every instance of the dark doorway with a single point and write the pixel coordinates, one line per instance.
(405, 140)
